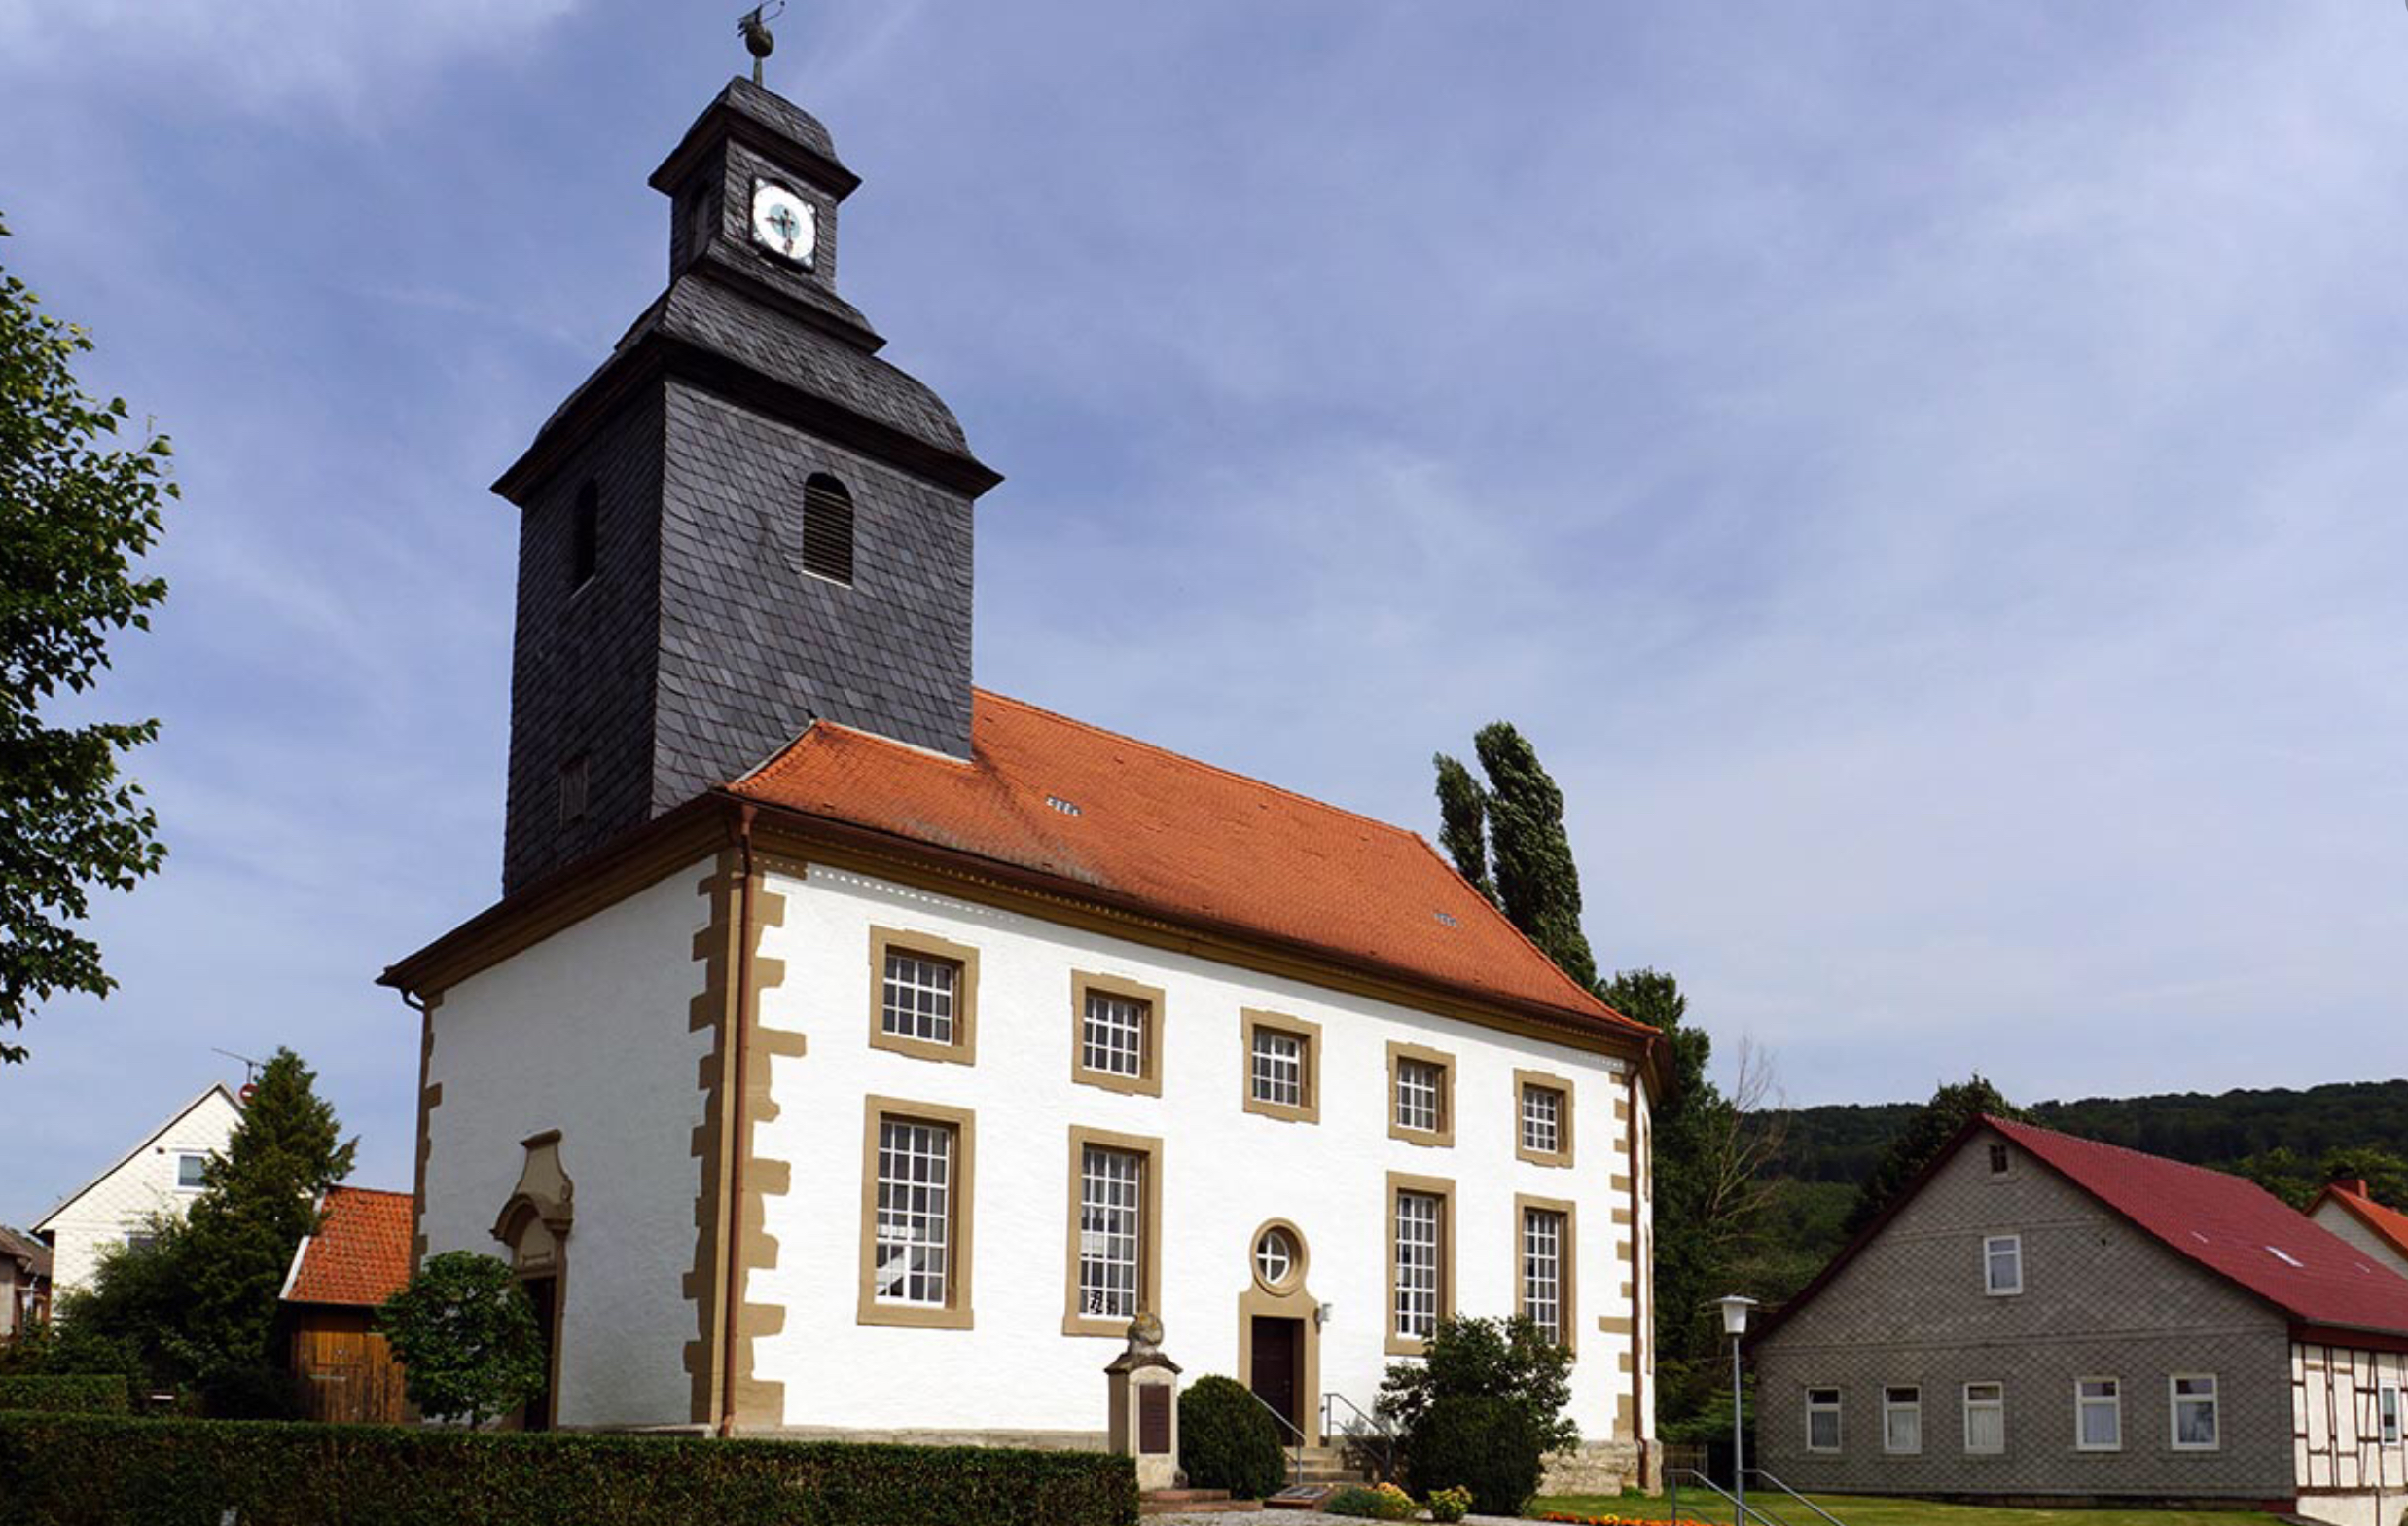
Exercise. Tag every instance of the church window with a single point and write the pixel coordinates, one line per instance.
(585, 536)
(1283, 1066)
(1547, 1267)
(827, 528)
(1421, 1095)
(1115, 1252)
(924, 996)
(1116, 1035)
(1542, 1118)
(1419, 1256)
(915, 1215)
(919, 997)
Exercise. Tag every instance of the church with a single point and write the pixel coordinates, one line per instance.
(856, 1052)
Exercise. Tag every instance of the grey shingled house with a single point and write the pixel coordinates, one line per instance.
(2039, 1317)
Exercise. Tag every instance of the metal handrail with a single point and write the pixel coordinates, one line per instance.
(1296, 1454)
(1829, 1518)
(1371, 1425)
(1740, 1512)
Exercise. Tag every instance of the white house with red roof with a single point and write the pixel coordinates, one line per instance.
(2350, 1211)
(2042, 1317)
(854, 1051)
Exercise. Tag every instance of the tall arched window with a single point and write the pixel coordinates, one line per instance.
(827, 528)
(585, 534)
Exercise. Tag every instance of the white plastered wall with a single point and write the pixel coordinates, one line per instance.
(141, 1188)
(1225, 1172)
(586, 1032)
(2348, 1226)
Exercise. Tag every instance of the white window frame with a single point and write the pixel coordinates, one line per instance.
(1991, 1246)
(1893, 1407)
(2176, 1399)
(1414, 1099)
(2388, 1414)
(918, 1212)
(1836, 1409)
(1543, 1108)
(1115, 1031)
(1420, 1262)
(1280, 1062)
(183, 1155)
(1544, 1246)
(1997, 1404)
(927, 1011)
(2112, 1401)
(1112, 1231)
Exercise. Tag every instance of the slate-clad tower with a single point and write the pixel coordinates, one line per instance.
(743, 521)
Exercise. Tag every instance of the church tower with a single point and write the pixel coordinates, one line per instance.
(743, 522)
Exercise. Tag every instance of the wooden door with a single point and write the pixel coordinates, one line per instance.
(1275, 1366)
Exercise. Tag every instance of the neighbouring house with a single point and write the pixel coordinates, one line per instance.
(2379, 1230)
(2042, 1317)
(156, 1179)
(903, 1041)
(359, 1258)
(24, 1280)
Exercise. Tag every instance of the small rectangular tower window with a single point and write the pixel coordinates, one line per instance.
(574, 790)
(585, 536)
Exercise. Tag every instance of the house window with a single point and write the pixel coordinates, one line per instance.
(140, 1239)
(585, 536)
(1117, 1040)
(1421, 1095)
(2098, 1415)
(1985, 1419)
(1546, 1291)
(1543, 1118)
(2195, 1417)
(827, 528)
(1421, 1259)
(924, 996)
(1822, 1418)
(1115, 1250)
(1998, 1160)
(2003, 1265)
(2387, 1411)
(190, 1170)
(1902, 1419)
(574, 790)
(1283, 1066)
(915, 1215)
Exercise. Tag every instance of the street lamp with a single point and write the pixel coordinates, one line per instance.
(1735, 1325)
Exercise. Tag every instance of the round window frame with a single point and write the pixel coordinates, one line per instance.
(1300, 1258)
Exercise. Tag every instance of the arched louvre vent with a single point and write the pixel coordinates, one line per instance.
(828, 528)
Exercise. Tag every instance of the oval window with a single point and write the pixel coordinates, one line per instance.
(1274, 1257)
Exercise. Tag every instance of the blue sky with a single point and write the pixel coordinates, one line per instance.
(1927, 478)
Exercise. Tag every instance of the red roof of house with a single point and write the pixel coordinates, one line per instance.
(1178, 838)
(360, 1253)
(2390, 1225)
(2233, 1227)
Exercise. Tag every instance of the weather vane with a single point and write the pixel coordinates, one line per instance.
(754, 27)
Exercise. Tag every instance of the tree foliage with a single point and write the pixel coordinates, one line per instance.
(77, 509)
(1949, 1109)
(1527, 868)
(1511, 1358)
(2297, 1178)
(465, 1335)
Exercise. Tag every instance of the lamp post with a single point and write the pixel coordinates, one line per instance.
(1735, 1325)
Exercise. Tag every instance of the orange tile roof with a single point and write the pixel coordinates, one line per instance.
(2389, 1224)
(1179, 839)
(360, 1253)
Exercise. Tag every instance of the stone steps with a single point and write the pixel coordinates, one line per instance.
(1192, 1501)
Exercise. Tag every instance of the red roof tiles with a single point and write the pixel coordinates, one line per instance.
(1178, 838)
(2390, 1225)
(360, 1253)
(2233, 1227)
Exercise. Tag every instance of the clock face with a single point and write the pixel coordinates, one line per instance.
(782, 222)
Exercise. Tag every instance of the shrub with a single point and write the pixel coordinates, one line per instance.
(465, 1336)
(91, 1395)
(1501, 1359)
(107, 1471)
(1228, 1440)
(252, 1394)
(1480, 1442)
(1387, 1503)
(1450, 1505)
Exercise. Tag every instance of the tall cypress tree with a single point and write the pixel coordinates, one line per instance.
(257, 1201)
(1536, 881)
(1463, 824)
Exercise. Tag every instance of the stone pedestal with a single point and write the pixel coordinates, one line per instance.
(1144, 1387)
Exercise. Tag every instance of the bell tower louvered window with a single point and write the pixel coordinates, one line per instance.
(828, 528)
(585, 536)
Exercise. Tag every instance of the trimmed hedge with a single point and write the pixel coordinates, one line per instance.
(92, 1470)
(78, 1393)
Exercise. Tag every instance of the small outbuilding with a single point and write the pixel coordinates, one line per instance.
(2042, 1318)
(359, 1258)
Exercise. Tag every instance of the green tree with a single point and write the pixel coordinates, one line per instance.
(1527, 867)
(1949, 1109)
(77, 509)
(2297, 1179)
(1689, 1266)
(1480, 1357)
(256, 1202)
(130, 1317)
(465, 1335)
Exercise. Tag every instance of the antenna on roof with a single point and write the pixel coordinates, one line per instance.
(754, 27)
(251, 1068)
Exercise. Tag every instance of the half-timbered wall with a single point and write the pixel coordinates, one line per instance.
(2347, 1473)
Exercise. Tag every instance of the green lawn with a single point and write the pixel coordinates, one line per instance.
(1859, 1511)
